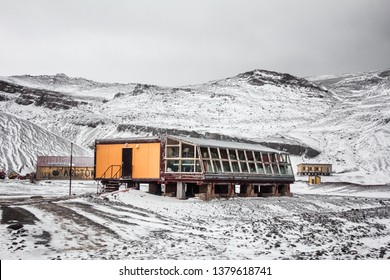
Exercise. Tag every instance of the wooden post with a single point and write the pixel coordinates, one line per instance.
(70, 168)
(210, 190)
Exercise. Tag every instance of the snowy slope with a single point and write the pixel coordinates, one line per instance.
(356, 136)
(252, 105)
(22, 141)
(345, 118)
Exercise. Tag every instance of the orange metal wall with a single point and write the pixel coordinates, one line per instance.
(146, 159)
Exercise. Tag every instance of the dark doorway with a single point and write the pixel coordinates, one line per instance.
(221, 189)
(127, 162)
(192, 189)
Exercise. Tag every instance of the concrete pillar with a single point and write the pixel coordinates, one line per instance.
(232, 190)
(181, 190)
(251, 190)
(275, 190)
(210, 190)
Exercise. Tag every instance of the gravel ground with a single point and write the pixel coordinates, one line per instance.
(136, 225)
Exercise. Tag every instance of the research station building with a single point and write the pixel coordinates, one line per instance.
(314, 169)
(186, 167)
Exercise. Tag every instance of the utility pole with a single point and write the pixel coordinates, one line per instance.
(70, 169)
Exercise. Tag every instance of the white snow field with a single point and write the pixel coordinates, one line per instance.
(316, 223)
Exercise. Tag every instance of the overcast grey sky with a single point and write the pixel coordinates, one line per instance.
(180, 42)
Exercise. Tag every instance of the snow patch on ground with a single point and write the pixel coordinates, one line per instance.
(320, 222)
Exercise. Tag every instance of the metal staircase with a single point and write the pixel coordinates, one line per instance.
(110, 179)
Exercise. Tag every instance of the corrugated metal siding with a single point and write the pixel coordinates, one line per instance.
(65, 161)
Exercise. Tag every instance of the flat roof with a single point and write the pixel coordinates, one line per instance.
(225, 144)
(193, 141)
(65, 161)
(314, 164)
(128, 140)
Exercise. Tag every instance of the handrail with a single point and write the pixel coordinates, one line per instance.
(111, 168)
(120, 169)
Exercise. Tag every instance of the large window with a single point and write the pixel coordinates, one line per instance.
(187, 158)
(226, 167)
(187, 151)
(222, 160)
(251, 161)
(181, 157)
(173, 165)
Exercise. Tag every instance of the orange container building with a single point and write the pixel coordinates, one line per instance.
(131, 159)
(186, 167)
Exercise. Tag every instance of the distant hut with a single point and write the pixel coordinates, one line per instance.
(57, 168)
(314, 180)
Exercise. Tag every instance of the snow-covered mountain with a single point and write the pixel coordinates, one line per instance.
(22, 141)
(80, 87)
(268, 101)
(344, 119)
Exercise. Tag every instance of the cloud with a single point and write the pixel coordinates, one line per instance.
(180, 42)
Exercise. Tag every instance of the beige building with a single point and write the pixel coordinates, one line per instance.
(314, 169)
(57, 168)
(314, 180)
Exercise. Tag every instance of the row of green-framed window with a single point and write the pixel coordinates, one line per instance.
(226, 166)
(189, 151)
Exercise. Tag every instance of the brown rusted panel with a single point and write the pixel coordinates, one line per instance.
(180, 177)
(247, 179)
(162, 161)
(220, 178)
